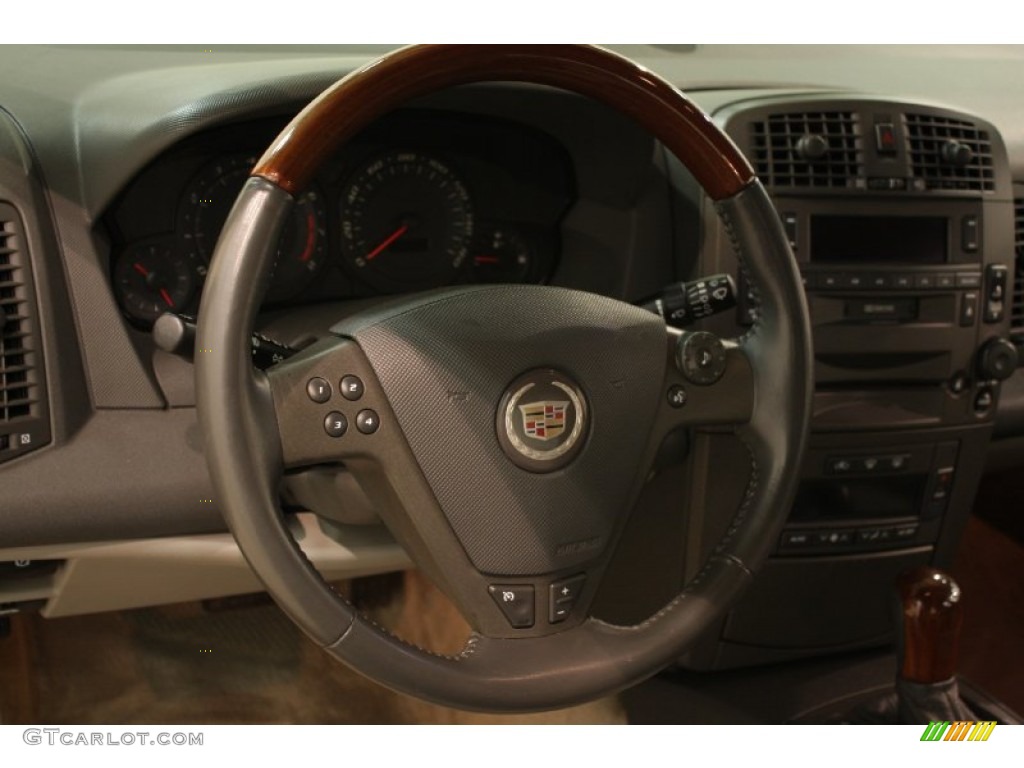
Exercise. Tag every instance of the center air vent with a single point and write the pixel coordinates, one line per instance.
(949, 153)
(24, 420)
(1017, 312)
(808, 149)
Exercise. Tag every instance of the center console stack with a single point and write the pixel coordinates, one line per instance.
(901, 219)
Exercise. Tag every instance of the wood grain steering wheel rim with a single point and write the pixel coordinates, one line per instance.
(256, 425)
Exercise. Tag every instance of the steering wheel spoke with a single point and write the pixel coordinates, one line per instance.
(329, 406)
(708, 382)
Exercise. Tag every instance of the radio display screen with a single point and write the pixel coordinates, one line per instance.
(879, 239)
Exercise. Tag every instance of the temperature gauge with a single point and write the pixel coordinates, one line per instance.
(152, 278)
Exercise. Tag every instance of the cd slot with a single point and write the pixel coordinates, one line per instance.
(847, 410)
(863, 368)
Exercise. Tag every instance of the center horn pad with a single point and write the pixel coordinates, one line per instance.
(528, 409)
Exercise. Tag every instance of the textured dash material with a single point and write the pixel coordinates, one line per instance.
(476, 342)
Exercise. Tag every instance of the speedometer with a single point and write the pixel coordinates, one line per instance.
(406, 222)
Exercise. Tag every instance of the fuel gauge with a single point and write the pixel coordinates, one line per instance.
(502, 255)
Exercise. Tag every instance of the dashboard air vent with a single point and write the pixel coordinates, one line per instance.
(18, 387)
(1017, 312)
(24, 409)
(809, 149)
(949, 153)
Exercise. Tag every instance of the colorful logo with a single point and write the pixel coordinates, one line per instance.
(961, 730)
(544, 420)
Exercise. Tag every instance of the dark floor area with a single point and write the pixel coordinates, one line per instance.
(246, 663)
(236, 661)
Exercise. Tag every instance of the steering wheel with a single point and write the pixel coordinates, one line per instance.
(503, 432)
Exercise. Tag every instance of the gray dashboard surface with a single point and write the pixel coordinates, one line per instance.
(97, 114)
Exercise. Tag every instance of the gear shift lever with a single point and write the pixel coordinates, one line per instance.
(929, 615)
(930, 618)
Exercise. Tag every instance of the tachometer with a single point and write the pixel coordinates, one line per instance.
(205, 208)
(406, 222)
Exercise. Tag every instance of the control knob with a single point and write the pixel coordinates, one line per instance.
(956, 154)
(997, 360)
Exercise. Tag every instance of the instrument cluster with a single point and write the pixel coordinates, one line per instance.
(420, 200)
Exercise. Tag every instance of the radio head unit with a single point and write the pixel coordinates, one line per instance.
(881, 240)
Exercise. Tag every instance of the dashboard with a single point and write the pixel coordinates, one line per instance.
(901, 193)
(424, 199)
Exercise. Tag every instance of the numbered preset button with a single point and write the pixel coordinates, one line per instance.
(318, 389)
(335, 424)
(351, 387)
(367, 421)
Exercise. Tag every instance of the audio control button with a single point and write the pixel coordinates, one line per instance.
(880, 281)
(983, 402)
(700, 357)
(969, 233)
(854, 280)
(828, 281)
(968, 280)
(968, 309)
(903, 281)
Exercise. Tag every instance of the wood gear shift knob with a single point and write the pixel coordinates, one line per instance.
(931, 616)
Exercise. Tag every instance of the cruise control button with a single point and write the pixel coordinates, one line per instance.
(351, 387)
(319, 390)
(515, 601)
(367, 421)
(335, 424)
(567, 589)
(562, 596)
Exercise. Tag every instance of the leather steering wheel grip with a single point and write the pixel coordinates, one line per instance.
(593, 658)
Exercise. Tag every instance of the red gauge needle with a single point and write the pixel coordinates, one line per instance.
(386, 242)
(486, 260)
(310, 237)
(167, 297)
(140, 269)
